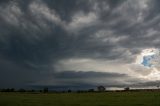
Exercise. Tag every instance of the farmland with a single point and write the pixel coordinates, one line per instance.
(143, 98)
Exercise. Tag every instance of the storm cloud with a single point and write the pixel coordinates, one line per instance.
(76, 42)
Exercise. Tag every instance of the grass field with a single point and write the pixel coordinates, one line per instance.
(81, 99)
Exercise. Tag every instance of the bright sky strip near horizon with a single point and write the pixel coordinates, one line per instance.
(79, 43)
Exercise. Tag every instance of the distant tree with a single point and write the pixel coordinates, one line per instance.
(69, 90)
(126, 88)
(45, 90)
(78, 91)
(101, 88)
(8, 90)
(32, 90)
(12, 89)
(90, 90)
(81, 91)
(3, 90)
(21, 90)
(63, 91)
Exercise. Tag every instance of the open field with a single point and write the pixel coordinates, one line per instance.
(145, 98)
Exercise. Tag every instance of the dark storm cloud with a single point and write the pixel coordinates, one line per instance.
(5, 1)
(71, 6)
(146, 84)
(80, 79)
(13, 75)
(36, 34)
(90, 74)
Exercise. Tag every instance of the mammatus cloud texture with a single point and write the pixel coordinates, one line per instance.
(82, 43)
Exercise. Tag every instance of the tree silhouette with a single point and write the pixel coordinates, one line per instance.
(45, 90)
(101, 88)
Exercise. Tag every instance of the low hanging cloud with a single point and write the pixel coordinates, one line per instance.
(51, 41)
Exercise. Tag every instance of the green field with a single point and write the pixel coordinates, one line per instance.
(81, 99)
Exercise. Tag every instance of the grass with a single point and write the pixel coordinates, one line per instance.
(81, 99)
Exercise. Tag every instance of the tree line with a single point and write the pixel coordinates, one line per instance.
(45, 90)
(22, 90)
(98, 89)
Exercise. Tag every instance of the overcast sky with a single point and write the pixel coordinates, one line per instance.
(77, 42)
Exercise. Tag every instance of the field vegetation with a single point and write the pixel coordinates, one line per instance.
(127, 98)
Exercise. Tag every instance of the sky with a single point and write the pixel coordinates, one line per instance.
(79, 43)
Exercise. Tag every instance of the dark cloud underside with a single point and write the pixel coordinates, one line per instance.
(36, 35)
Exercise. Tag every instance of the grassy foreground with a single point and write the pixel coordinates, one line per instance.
(81, 99)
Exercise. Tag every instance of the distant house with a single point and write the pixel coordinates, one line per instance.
(101, 88)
